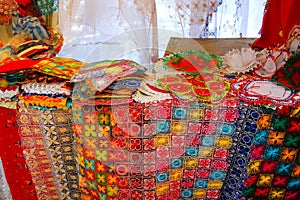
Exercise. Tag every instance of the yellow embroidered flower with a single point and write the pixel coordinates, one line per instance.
(89, 164)
(276, 138)
(277, 193)
(112, 190)
(176, 174)
(101, 155)
(89, 153)
(288, 154)
(254, 167)
(265, 180)
(104, 118)
(90, 143)
(200, 193)
(196, 114)
(215, 184)
(223, 142)
(104, 131)
(81, 160)
(25, 131)
(77, 116)
(101, 178)
(162, 188)
(111, 169)
(111, 179)
(90, 118)
(103, 144)
(100, 167)
(264, 121)
(48, 119)
(161, 140)
(90, 131)
(296, 171)
(178, 127)
(206, 152)
(190, 162)
(101, 188)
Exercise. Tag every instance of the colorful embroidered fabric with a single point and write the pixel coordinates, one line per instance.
(239, 152)
(35, 152)
(107, 82)
(9, 8)
(274, 167)
(11, 153)
(289, 75)
(64, 68)
(164, 150)
(60, 144)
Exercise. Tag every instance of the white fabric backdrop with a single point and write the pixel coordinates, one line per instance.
(140, 29)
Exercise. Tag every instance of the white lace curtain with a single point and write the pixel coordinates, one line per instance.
(140, 29)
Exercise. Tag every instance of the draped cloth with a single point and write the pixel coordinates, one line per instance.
(279, 21)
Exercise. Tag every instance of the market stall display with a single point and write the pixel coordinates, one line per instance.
(199, 126)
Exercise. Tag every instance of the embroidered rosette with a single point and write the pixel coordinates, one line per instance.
(193, 62)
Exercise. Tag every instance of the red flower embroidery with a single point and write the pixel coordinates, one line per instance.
(280, 181)
(221, 153)
(175, 185)
(204, 163)
(213, 194)
(268, 167)
(148, 144)
(262, 192)
(135, 144)
(219, 165)
(202, 174)
(149, 157)
(149, 195)
(194, 128)
(294, 126)
(136, 195)
(187, 183)
(136, 183)
(251, 181)
(177, 140)
(189, 174)
(149, 170)
(149, 184)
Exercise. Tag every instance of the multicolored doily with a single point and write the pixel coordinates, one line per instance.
(204, 87)
(264, 91)
(193, 62)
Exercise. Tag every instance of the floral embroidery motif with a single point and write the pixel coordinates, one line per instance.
(154, 150)
(274, 164)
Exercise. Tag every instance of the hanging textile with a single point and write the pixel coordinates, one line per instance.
(11, 153)
(280, 19)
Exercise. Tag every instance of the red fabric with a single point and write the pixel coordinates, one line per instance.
(280, 15)
(18, 65)
(16, 172)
